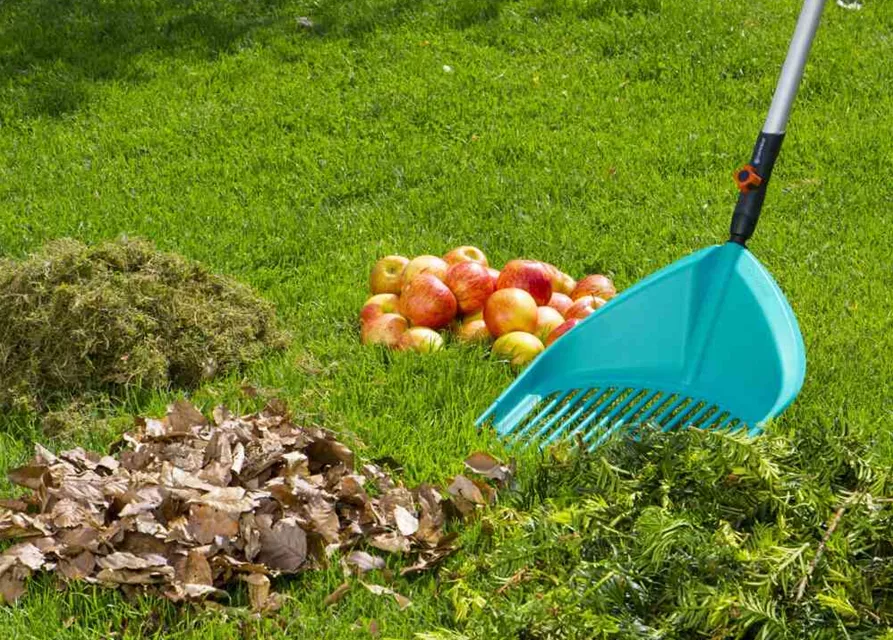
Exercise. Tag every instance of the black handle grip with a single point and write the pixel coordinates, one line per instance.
(750, 202)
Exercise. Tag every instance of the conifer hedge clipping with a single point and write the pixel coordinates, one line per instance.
(690, 535)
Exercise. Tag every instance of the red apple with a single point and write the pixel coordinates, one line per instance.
(385, 329)
(563, 283)
(424, 264)
(387, 274)
(510, 310)
(494, 273)
(595, 285)
(421, 340)
(551, 270)
(584, 306)
(561, 329)
(465, 254)
(377, 305)
(547, 319)
(473, 331)
(471, 283)
(529, 275)
(428, 302)
(560, 302)
(518, 347)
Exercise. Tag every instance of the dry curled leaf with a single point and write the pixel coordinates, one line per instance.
(77, 567)
(258, 590)
(337, 594)
(182, 416)
(393, 542)
(407, 523)
(124, 560)
(466, 495)
(486, 465)
(205, 523)
(323, 518)
(326, 452)
(364, 561)
(24, 554)
(12, 584)
(283, 546)
(229, 500)
(196, 569)
(30, 476)
(432, 517)
(402, 601)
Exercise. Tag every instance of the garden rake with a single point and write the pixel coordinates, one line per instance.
(709, 341)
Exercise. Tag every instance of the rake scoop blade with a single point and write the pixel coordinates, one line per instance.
(708, 341)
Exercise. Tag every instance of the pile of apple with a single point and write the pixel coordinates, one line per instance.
(524, 308)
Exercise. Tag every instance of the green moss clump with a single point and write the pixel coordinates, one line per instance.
(76, 319)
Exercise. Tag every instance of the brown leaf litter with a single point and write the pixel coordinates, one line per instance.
(186, 506)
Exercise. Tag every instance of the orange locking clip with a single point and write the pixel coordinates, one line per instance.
(747, 178)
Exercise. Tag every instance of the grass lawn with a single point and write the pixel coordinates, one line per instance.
(599, 135)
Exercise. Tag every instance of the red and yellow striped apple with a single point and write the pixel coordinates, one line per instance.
(583, 307)
(386, 329)
(379, 304)
(387, 274)
(421, 340)
(510, 310)
(518, 347)
(595, 285)
(473, 329)
(465, 254)
(529, 275)
(547, 319)
(560, 302)
(564, 283)
(427, 302)
(471, 283)
(561, 329)
(424, 264)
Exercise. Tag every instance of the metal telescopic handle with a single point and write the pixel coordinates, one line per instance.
(753, 178)
(792, 71)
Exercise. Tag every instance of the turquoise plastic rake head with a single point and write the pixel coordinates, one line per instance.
(709, 341)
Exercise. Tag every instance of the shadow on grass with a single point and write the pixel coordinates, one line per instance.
(51, 50)
(357, 18)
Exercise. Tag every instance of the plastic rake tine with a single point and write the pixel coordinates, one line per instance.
(576, 414)
(539, 416)
(558, 416)
(611, 415)
(651, 410)
(681, 416)
(597, 412)
(624, 419)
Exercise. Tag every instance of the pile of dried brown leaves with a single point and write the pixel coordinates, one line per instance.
(186, 506)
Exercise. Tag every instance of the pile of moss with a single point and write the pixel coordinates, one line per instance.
(76, 319)
(690, 534)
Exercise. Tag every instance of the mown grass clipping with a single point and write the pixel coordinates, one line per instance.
(76, 319)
